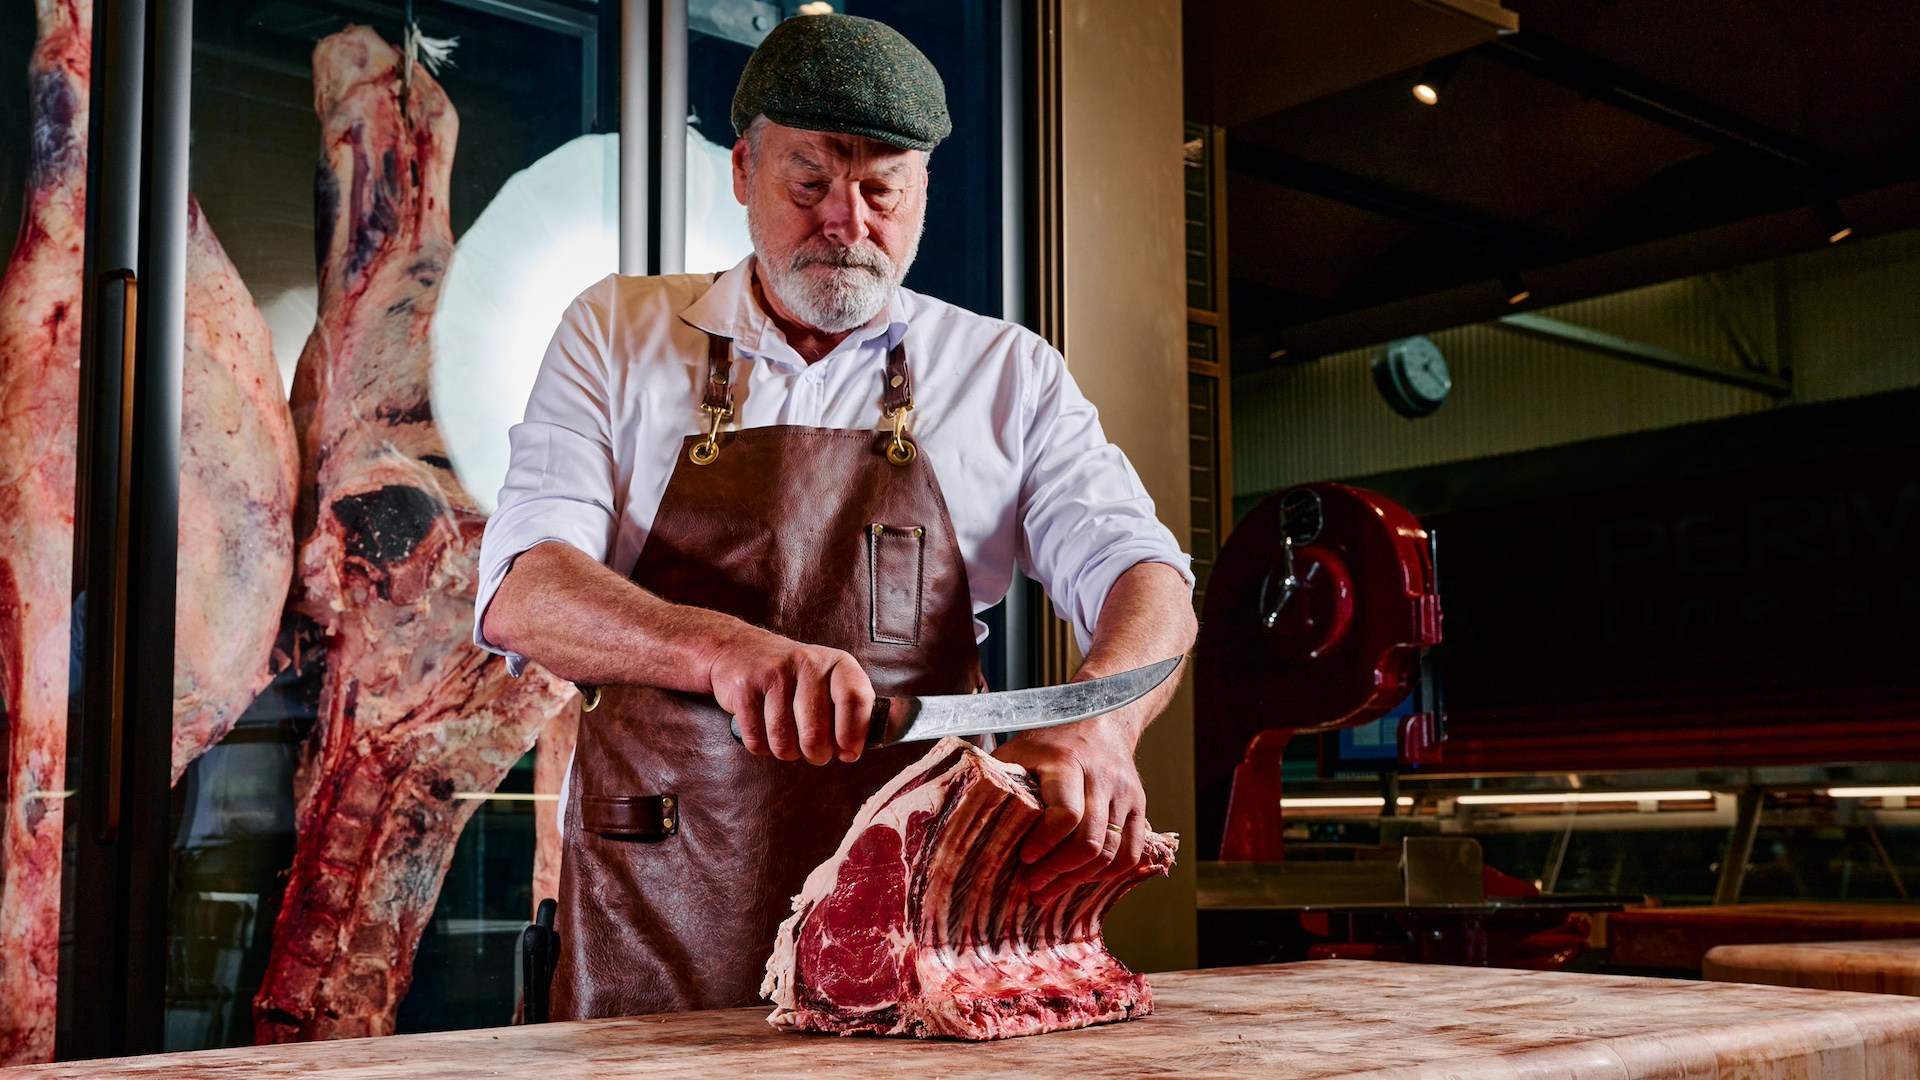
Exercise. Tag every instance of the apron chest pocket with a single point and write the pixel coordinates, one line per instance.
(635, 817)
(896, 564)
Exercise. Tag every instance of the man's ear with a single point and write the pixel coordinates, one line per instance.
(740, 153)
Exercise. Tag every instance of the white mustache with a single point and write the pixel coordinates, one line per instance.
(843, 258)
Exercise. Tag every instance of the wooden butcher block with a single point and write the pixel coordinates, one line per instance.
(1873, 967)
(1679, 937)
(1286, 1022)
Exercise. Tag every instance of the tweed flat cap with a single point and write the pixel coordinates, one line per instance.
(847, 74)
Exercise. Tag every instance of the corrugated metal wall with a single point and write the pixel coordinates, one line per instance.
(1844, 321)
(1855, 318)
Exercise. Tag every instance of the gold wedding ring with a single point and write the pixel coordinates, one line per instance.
(1111, 827)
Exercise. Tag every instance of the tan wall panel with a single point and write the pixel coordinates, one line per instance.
(1126, 345)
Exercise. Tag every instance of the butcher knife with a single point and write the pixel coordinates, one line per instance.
(919, 719)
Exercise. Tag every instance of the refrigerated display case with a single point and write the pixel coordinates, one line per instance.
(216, 762)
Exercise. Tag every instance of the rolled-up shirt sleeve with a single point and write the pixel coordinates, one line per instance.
(1085, 517)
(560, 476)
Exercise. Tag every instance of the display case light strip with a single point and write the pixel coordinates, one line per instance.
(1560, 797)
(1874, 792)
(507, 796)
(1337, 802)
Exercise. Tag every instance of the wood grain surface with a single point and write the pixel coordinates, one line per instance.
(1873, 967)
(1679, 937)
(1289, 1022)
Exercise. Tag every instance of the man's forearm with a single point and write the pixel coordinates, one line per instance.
(1147, 616)
(562, 609)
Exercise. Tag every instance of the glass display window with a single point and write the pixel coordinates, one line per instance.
(343, 818)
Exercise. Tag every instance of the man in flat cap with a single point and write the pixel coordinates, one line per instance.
(726, 503)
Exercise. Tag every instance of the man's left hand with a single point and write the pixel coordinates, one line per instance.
(1096, 816)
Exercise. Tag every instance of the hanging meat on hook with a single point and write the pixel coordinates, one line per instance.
(39, 401)
(413, 718)
(238, 468)
(235, 559)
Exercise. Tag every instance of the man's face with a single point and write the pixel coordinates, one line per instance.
(835, 220)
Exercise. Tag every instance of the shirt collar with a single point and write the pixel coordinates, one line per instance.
(728, 309)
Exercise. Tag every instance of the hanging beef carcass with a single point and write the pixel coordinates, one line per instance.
(917, 925)
(235, 557)
(552, 756)
(237, 474)
(39, 391)
(412, 715)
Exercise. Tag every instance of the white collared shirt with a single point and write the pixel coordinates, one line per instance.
(1030, 479)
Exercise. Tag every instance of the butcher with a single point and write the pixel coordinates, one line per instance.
(773, 493)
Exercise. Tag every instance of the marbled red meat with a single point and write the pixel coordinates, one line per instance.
(412, 715)
(39, 390)
(236, 511)
(917, 926)
(237, 473)
(552, 756)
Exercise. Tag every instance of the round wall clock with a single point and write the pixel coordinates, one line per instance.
(1412, 375)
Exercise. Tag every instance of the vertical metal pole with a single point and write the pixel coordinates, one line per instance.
(92, 896)
(1019, 642)
(673, 137)
(636, 18)
(1556, 859)
(1746, 826)
(155, 525)
(120, 886)
(1013, 164)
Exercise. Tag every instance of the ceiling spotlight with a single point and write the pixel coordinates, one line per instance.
(1433, 80)
(1516, 288)
(1837, 226)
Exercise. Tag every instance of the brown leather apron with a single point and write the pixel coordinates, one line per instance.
(683, 852)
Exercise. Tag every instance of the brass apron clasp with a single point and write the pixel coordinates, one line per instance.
(901, 450)
(706, 450)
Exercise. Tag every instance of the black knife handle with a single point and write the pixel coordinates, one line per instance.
(876, 723)
(877, 733)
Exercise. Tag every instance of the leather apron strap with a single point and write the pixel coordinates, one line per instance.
(716, 401)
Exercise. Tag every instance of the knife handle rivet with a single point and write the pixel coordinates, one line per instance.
(666, 802)
(666, 824)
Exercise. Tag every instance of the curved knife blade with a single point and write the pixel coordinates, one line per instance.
(915, 719)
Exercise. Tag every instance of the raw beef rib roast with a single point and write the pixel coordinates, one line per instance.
(916, 926)
(237, 474)
(413, 718)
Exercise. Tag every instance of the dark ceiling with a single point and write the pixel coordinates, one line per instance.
(1600, 145)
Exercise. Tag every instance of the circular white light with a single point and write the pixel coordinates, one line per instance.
(551, 231)
(1425, 94)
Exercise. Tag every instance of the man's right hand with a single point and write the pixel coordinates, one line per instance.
(792, 700)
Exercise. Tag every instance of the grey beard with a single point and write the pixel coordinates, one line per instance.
(832, 292)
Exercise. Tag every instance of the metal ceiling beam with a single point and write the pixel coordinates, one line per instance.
(1587, 339)
(1286, 170)
(1611, 83)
